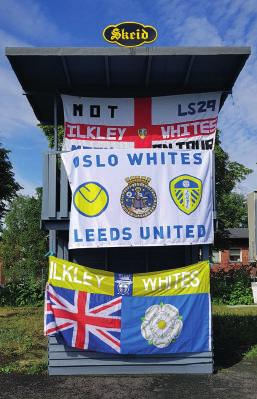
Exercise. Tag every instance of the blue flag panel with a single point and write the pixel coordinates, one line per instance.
(127, 324)
(155, 325)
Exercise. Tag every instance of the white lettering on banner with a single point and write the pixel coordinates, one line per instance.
(95, 132)
(99, 279)
(55, 276)
(169, 191)
(189, 129)
(70, 274)
(85, 278)
(175, 280)
(196, 280)
(141, 121)
(51, 270)
(66, 272)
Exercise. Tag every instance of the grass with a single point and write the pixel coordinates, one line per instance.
(23, 347)
(234, 334)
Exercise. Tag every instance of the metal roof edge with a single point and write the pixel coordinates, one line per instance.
(112, 51)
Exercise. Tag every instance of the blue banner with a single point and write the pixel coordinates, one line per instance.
(129, 324)
(154, 325)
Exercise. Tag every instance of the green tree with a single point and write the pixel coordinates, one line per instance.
(24, 244)
(8, 186)
(49, 133)
(233, 211)
(231, 206)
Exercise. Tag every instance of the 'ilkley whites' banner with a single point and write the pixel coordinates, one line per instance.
(178, 122)
(147, 313)
(139, 197)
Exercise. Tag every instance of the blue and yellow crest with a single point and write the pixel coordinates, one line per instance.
(186, 192)
(138, 199)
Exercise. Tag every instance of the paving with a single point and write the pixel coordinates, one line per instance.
(238, 381)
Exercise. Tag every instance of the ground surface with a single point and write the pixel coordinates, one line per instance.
(23, 352)
(239, 381)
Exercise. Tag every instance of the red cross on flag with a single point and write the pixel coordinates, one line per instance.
(180, 122)
(80, 316)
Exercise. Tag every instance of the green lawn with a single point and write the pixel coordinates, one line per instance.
(23, 347)
(22, 344)
(234, 334)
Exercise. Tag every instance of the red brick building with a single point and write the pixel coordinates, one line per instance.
(237, 251)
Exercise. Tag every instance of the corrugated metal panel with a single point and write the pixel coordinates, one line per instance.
(64, 189)
(132, 259)
(68, 361)
(132, 370)
(52, 202)
(45, 204)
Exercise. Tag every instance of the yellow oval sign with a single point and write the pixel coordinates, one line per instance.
(130, 34)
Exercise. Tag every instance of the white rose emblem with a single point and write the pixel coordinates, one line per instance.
(161, 325)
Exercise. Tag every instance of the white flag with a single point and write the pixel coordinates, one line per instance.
(139, 197)
(186, 122)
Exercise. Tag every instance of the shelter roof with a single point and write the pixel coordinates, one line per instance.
(241, 232)
(44, 73)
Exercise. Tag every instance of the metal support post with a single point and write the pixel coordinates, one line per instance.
(55, 125)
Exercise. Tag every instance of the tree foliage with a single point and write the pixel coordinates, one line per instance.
(232, 211)
(8, 186)
(49, 133)
(232, 286)
(24, 244)
(231, 206)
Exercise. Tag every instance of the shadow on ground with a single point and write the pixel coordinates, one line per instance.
(234, 335)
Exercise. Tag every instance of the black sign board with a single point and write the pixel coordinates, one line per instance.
(130, 34)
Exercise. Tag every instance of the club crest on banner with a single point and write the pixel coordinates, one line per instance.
(142, 133)
(91, 199)
(186, 192)
(123, 284)
(138, 199)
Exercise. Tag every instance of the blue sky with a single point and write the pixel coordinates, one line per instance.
(80, 23)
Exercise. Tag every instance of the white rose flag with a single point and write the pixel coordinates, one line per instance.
(139, 197)
(143, 313)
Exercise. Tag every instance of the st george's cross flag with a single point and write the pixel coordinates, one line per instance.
(179, 122)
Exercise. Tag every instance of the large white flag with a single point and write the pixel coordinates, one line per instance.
(184, 122)
(138, 197)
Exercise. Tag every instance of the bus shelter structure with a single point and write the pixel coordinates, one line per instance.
(44, 74)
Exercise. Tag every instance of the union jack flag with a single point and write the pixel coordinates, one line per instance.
(85, 321)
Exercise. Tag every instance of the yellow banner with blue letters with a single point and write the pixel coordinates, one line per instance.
(193, 279)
